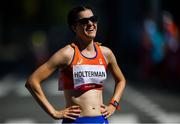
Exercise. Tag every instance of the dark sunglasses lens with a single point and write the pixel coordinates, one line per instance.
(93, 19)
(83, 21)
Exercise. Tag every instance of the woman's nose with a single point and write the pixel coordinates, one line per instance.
(90, 22)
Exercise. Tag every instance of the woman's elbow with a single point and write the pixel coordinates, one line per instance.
(29, 83)
(122, 81)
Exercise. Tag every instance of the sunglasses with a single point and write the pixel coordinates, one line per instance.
(83, 21)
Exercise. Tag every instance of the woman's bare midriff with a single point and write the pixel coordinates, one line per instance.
(89, 101)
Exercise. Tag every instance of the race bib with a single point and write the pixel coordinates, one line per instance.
(88, 74)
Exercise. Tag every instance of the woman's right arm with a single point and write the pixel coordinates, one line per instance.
(33, 84)
(59, 60)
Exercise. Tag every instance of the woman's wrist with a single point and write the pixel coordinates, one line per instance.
(115, 104)
(112, 107)
(55, 114)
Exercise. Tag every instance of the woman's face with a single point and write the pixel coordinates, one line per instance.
(86, 25)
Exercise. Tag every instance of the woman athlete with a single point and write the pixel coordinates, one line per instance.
(83, 65)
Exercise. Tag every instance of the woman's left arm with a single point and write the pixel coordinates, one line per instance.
(119, 82)
(118, 77)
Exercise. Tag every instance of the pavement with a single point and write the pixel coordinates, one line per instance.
(138, 104)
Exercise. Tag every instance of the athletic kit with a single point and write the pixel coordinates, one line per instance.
(84, 74)
(87, 120)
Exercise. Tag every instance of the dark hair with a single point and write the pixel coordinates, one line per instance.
(73, 14)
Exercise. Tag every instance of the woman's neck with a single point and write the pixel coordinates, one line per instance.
(85, 45)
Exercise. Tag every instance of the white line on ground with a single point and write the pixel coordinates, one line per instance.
(7, 84)
(17, 86)
(124, 118)
(137, 99)
(22, 121)
(141, 102)
(152, 109)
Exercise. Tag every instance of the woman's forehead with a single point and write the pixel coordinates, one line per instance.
(85, 14)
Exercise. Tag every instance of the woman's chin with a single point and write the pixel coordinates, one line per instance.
(91, 36)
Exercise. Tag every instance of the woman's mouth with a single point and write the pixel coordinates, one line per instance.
(90, 30)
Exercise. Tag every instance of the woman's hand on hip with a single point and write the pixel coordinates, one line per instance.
(107, 111)
(71, 112)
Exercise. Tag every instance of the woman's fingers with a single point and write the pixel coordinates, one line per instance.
(108, 115)
(103, 111)
(72, 112)
(70, 117)
(75, 111)
(75, 107)
(107, 111)
(103, 106)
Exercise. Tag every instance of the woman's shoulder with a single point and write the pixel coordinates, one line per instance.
(64, 54)
(105, 50)
(66, 50)
(102, 46)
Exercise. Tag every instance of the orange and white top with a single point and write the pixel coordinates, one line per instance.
(84, 73)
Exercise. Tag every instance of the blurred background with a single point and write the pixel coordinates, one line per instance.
(144, 36)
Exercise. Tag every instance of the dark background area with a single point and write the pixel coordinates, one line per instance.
(32, 30)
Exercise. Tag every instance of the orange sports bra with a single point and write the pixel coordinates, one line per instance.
(84, 73)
